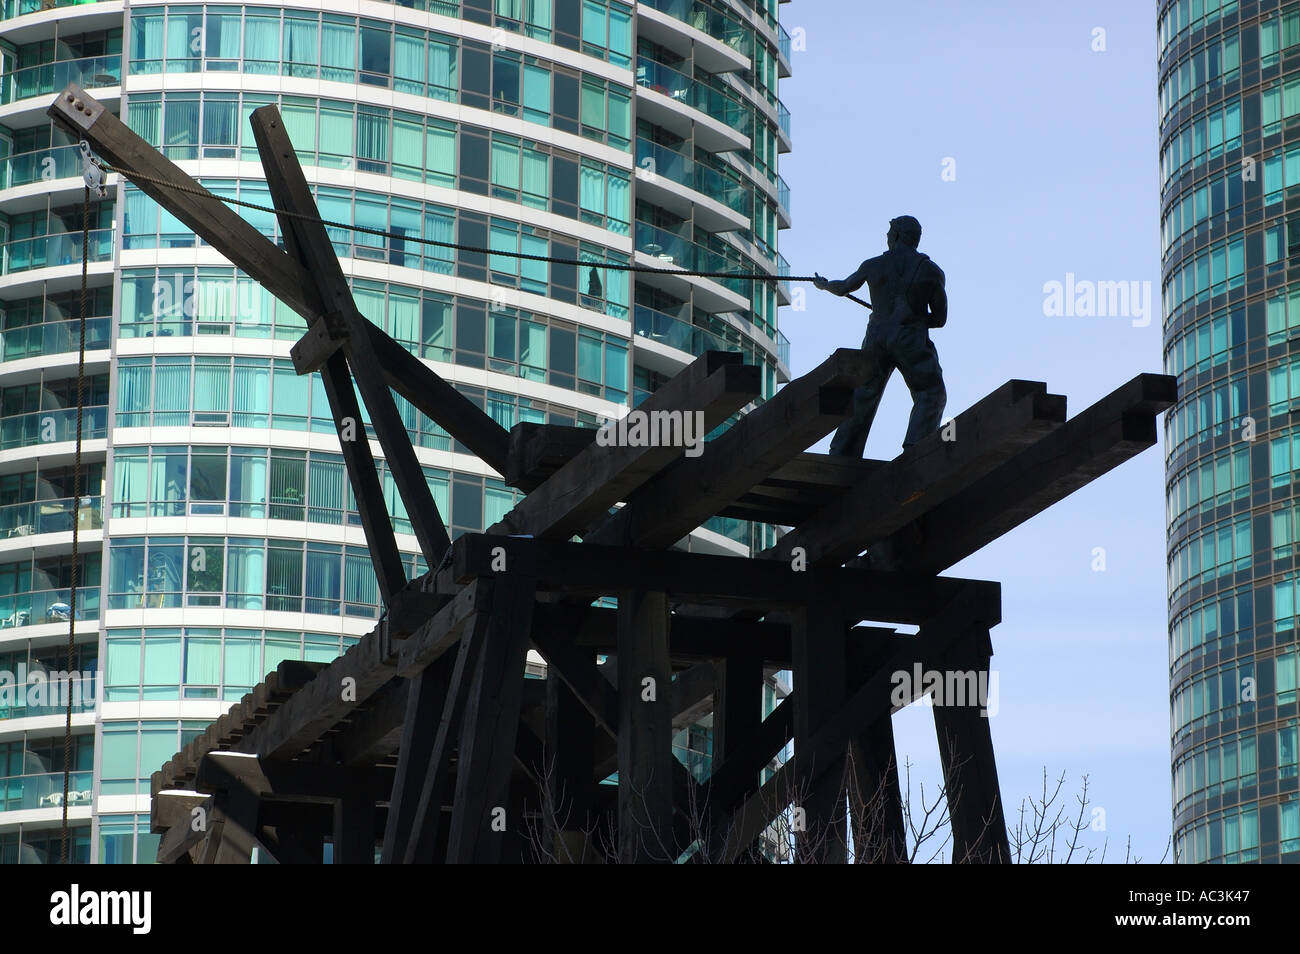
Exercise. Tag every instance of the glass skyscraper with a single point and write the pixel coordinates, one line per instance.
(217, 531)
(1230, 218)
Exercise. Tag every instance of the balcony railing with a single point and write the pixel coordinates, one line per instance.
(691, 92)
(62, 248)
(783, 118)
(784, 41)
(44, 791)
(685, 171)
(17, 8)
(47, 427)
(783, 348)
(53, 337)
(47, 606)
(50, 516)
(58, 162)
(83, 693)
(88, 73)
(783, 194)
(708, 18)
(665, 329)
(672, 249)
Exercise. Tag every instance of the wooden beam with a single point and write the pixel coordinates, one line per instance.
(364, 478)
(591, 570)
(439, 401)
(579, 495)
(645, 756)
(480, 820)
(310, 244)
(207, 216)
(1119, 426)
(694, 489)
(979, 831)
(820, 657)
(930, 472)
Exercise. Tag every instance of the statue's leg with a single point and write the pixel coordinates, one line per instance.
(850, 439)
(918, 360)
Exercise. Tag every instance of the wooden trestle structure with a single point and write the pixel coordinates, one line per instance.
(427, 742)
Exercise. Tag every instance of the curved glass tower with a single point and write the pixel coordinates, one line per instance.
(1230, 191)
(217, 532)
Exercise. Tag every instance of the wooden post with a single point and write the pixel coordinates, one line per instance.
(979, 830)
(570, 754)
(818, 634)
(875, 800)
(645, 720)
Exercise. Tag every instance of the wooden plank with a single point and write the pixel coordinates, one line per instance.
(570, 753)
(1114, 429)
(645, 757)
(694, 489)
(205, 214)
(580, 494)
(930, 472)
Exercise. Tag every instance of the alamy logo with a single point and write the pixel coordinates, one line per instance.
(1082, 298)
(75, 907)
(655, 429)
(951, 687)
(39, 688)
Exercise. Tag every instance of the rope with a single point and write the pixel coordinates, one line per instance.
(173, 187)
(76, 522)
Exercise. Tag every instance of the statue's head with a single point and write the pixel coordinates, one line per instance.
(904, 231)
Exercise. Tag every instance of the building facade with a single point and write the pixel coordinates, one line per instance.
(1229, 101)
(217, 534)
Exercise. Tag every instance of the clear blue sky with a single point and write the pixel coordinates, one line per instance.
(1055, 150)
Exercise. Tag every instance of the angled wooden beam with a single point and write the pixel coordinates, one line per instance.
(424, 696)
(694, 489)
(985, 435)
(419, 844)
(207, 216)
(310, 244)
(579, 495)
(437, 400)
(364, 478)
(1097, 440)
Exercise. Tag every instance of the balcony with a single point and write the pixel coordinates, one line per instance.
(47, 606)
(44, 791)
(59, 162)
(783, 349)
(18, 8)
(47, 251)
(84, 692)
(672, 249)
(783, 198)
(733, 43)
(53, 337)
(666, 330)
(49, 427)
(90, 72)
(786, 48)
(51, 516)
(659, 168)
(700, 96)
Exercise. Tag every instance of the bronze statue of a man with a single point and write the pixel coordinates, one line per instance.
(908, 299)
